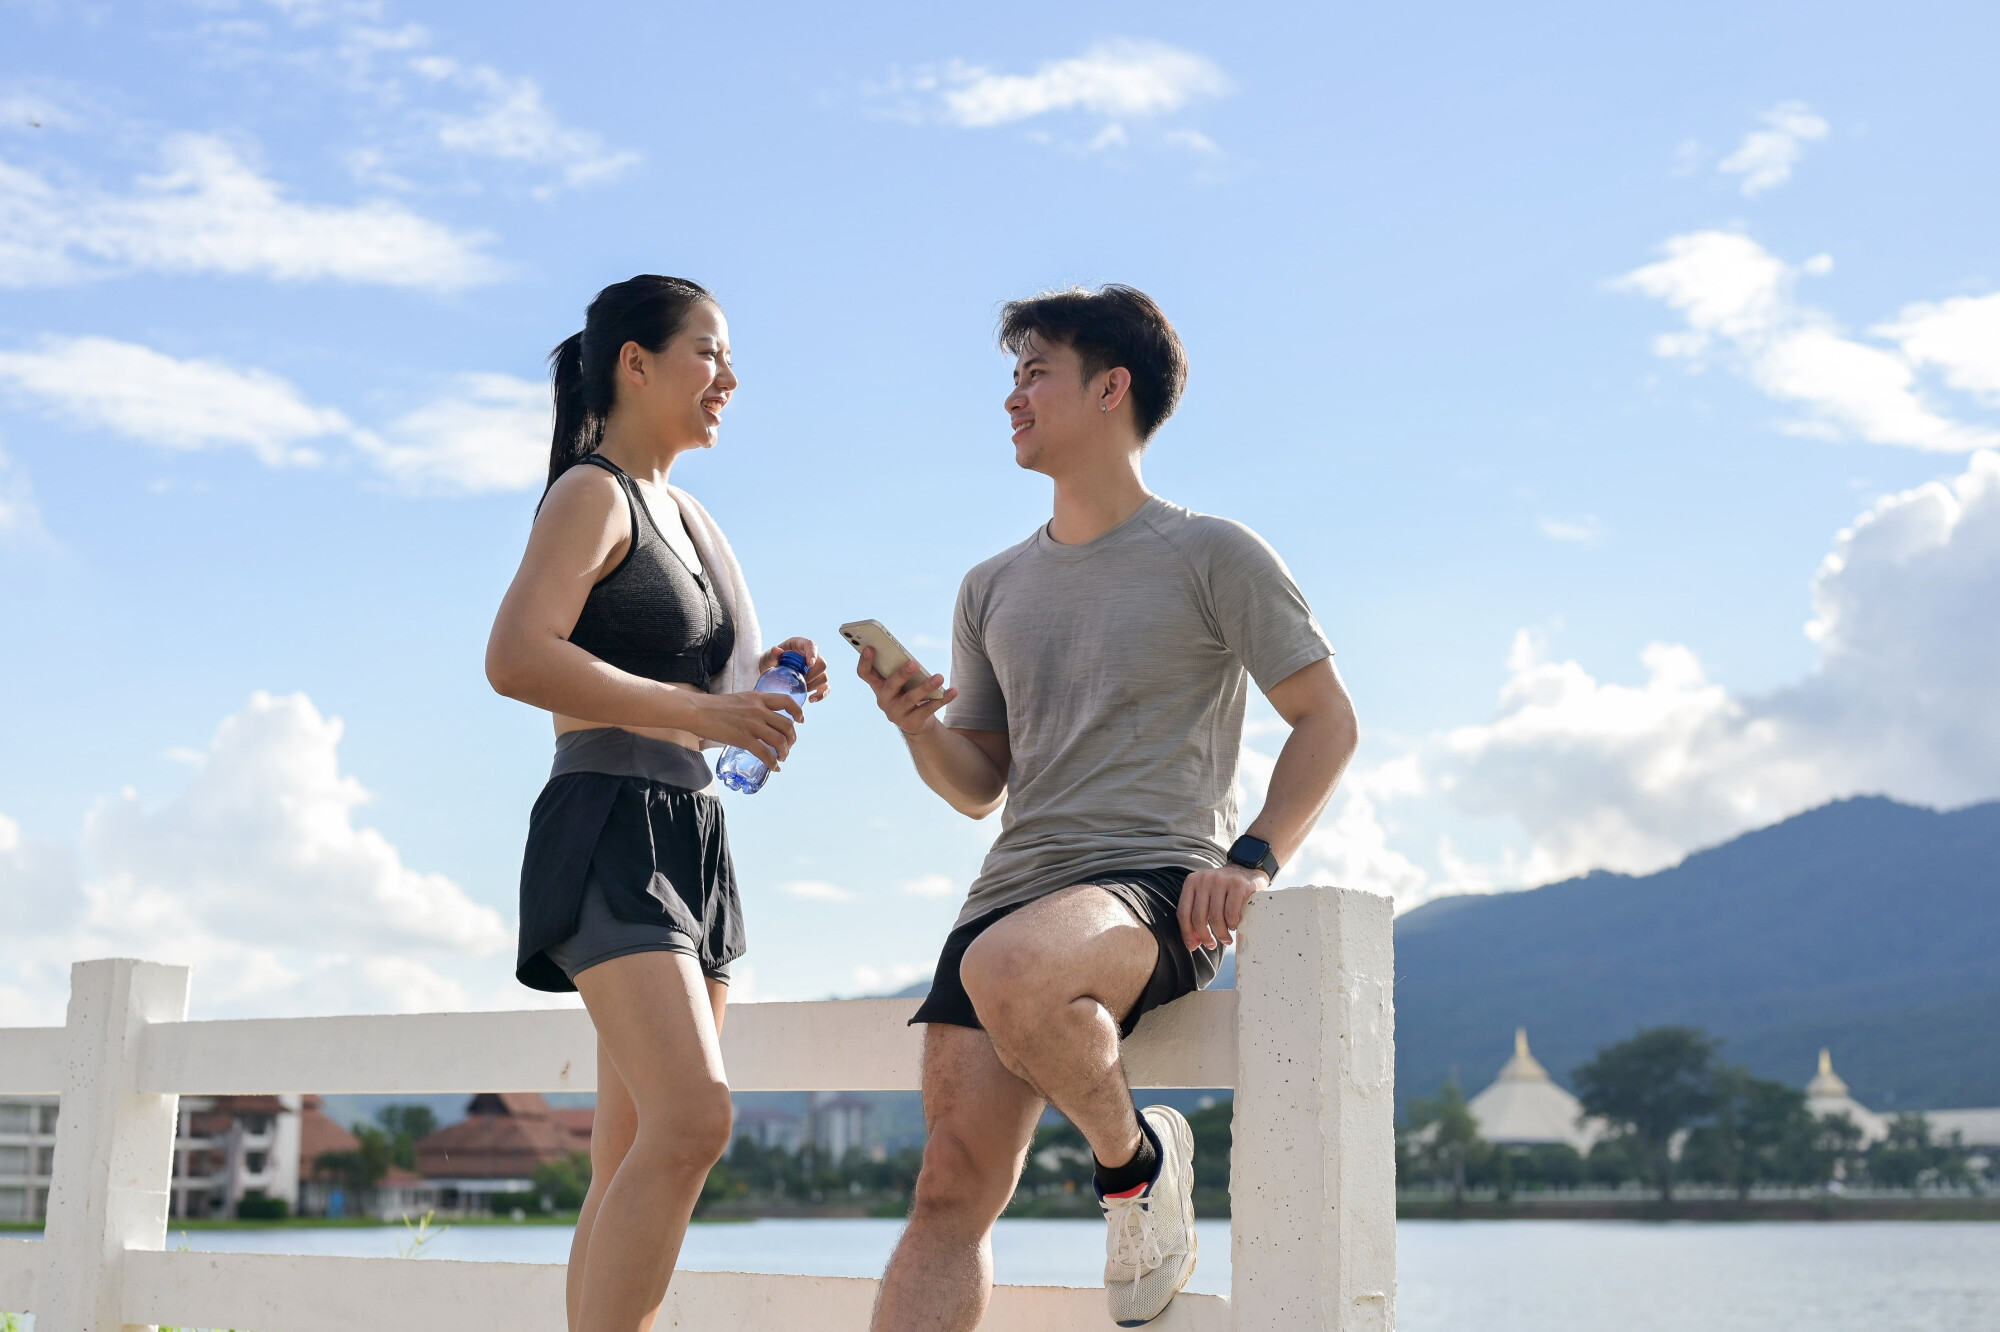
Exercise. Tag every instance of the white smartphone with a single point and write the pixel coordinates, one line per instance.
(890, 655)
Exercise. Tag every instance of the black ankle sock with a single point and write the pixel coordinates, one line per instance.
(1141, 1169)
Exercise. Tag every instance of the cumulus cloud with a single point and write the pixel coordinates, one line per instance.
(1959, 337)
(258, 875)
(485, 432)
(1766, 156)
(1740, 301)
(210, 211)
(1902, 701)
(488, 432)
(175, 404)
(930, 885)
(512, 123)
(1115, 81)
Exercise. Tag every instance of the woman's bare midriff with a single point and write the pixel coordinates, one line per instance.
(686, 739)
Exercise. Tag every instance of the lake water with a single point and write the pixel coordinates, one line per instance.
(1465, 1276)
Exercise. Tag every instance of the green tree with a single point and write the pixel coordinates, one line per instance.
(1447, 1137)
(564, 1182)
(363, 1168)
(1753, 1133)
(405, 1124)
(1649, 1088)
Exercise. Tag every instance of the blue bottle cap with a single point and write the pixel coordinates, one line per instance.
(794, 660)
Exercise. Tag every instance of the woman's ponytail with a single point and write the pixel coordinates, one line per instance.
(578, 431)
(648, 310)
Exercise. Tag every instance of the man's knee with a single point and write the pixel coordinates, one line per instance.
(1002, 975)
(961, 1181)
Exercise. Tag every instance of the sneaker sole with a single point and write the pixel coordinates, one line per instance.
(1183, 1142)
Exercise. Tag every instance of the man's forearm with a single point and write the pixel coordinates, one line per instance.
(1308, 768)
(957, 769)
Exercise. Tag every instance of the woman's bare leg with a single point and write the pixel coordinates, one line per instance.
(657, 1022)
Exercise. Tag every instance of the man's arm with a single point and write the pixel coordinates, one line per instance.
(967, 768)
(1315, 705)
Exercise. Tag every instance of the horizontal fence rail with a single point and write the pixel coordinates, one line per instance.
(1307, 1042)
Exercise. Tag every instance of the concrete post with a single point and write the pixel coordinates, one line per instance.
(114, 1158)
(1313, 1168)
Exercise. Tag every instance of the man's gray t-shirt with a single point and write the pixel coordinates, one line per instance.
(1117, 669)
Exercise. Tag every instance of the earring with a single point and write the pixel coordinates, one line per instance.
(1103, 406)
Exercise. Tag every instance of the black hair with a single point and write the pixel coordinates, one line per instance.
(1112, 326)
(648, 310)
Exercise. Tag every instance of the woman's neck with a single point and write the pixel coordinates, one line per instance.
(641, 453)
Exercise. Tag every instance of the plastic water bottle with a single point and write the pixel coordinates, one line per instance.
(741, 770)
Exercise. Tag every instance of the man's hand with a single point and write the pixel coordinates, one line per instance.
(816, 684)
(1212, 903)
(903, 695)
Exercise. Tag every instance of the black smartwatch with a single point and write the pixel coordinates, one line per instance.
(1254, 853)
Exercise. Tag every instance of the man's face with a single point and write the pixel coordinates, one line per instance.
(1050, 407)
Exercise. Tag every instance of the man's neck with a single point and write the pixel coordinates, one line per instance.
(1092, 501)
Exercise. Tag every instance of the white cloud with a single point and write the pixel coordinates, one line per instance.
(19, 516)
(1961, 337)
(888, 979)
(491, 432)
(210, 211)
(1586, 531)
(1350, 846)
(512, 123)
(486, 432)
(1766, 156)
(1120, 78)
(1737, 297)
(816, 890)
(1119, 82)
(257, 875)
(930, 885)
(176, 404)
(1632, 777)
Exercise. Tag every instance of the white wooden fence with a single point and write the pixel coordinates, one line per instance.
(1306, 1040)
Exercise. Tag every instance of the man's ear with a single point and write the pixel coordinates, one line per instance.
(1115, 384)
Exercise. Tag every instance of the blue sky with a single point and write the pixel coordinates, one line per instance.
(1620, 387)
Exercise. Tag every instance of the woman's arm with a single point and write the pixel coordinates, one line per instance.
(579, 536)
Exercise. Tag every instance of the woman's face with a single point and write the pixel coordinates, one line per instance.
(681, 390)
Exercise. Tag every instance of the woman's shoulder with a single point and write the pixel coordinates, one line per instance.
(584, 497)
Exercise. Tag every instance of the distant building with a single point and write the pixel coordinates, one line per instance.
(504, 1138)
(840, 1123)
(1525, 1108)
(1827, 1095)
(770, 1128)
(228, 1148)
(27, 1156)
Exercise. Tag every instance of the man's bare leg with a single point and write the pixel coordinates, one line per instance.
(1051, 983)
(981, 1119)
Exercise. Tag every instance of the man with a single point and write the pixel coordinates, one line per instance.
(1099, 686)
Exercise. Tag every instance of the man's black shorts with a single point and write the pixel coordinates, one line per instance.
(1154, 896)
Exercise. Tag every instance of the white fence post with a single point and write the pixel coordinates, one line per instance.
(1313, 1168)
(114, 1145)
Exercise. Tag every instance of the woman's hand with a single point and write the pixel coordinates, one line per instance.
(816, 684)
(761, 724)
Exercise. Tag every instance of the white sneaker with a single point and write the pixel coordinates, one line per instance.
(1149, 1254)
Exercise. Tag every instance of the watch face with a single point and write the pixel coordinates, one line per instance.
(1249, 851)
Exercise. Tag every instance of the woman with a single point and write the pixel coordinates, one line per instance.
(629, 621)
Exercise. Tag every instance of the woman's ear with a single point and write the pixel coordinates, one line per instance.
(632, 364)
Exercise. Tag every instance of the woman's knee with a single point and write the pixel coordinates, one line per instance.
(690, 1130)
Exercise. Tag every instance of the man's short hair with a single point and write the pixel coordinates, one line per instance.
(1112, 326)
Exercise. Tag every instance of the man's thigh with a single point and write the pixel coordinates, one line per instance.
(980, 1116)
(1076, 943)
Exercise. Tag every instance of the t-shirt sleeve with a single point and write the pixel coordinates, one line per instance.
(1262, 615)
(980, 706)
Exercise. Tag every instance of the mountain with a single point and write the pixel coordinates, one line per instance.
(1867, 926)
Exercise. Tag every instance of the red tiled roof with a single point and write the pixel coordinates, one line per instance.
(504, 1136)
